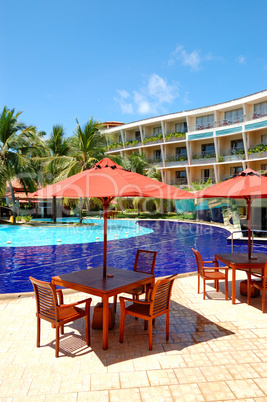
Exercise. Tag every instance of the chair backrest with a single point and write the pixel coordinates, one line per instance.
(161, 295)
(199, 262)
(46, 299)
(145, 261)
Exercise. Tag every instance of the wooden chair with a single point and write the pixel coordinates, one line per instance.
(210, 273)
(261, 284)
(50, 307)
(144, 262)
(158, 303)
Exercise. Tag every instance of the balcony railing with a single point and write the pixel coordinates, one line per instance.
(203, 157)
(154, 160)
(176, 158)
(197, 127)
(232, 154)
(175, 136)
(178, 182)
(228, 122)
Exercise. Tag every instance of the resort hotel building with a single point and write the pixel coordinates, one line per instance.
(213, 142)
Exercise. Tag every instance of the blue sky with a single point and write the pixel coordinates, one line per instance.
(125, 61)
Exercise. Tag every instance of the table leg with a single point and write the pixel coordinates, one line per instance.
(105, 321)
(233, 285)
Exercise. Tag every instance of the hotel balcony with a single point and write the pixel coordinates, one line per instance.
(233, 154)
(176, 160)
(157, 161)
(203, 158)
(182, 182)
(259, 151)
(171, 137)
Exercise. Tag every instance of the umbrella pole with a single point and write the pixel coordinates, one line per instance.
(249, 227)
(105, 217)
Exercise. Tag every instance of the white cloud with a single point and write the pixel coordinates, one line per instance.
(192, 60)
(151, 98)
(241, 60)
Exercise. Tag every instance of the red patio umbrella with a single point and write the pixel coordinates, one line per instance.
(107, 180)
(247, 184)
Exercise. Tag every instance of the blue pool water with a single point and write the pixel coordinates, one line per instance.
(49, 235)
(172, 240)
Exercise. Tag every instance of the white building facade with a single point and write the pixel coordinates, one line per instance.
(213, 142)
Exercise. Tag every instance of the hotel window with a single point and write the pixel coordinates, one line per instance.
(137, 136)
(260, 109)
(264, 139)
(237, 145)
(205, 122)
(180, 176)
(157, 130)
(208, 149)
(181, 151)
(234, 116)
(205, 174)
(157, 155)
(181, 127)
(235, 170)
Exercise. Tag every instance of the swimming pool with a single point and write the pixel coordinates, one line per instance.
(172, 240)
(49, 235)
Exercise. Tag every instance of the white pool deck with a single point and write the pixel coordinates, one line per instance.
(216, 352)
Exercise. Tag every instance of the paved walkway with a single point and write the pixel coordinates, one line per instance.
(216, 352)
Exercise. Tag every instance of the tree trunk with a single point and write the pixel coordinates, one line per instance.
(13, 201)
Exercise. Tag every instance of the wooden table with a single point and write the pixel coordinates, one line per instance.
(91, 281)
(241, 262)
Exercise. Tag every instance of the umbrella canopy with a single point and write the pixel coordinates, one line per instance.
(247, 185)
(107, 180)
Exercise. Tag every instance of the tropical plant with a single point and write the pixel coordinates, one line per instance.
(87, 147)
(56, 143)
(18, 145)
(200, 185)
(153, 138)
(115, 145)
(257, 149)
(137, 162)
(175, 135)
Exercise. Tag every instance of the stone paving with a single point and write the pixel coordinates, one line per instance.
(216, 352)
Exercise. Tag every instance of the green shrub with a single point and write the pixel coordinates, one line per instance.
(27, 218)
(176, 135)
(153, 138)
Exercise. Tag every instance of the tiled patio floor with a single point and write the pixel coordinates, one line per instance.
(216, 352)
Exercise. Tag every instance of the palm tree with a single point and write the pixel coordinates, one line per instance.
(137, 162)
(57, 144)
(58, 152)
(87, 147)
(18, 143)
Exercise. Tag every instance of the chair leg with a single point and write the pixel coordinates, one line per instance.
(204, 288)
(263, 300)
(145, 325)
(198, 284)
(38, 332)
(87, 329)
(87, 323)
(62, 329)
(226, 285)
(122, 322)
(150, 334)
(167, 325)
(57, 341)
(115, 303)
